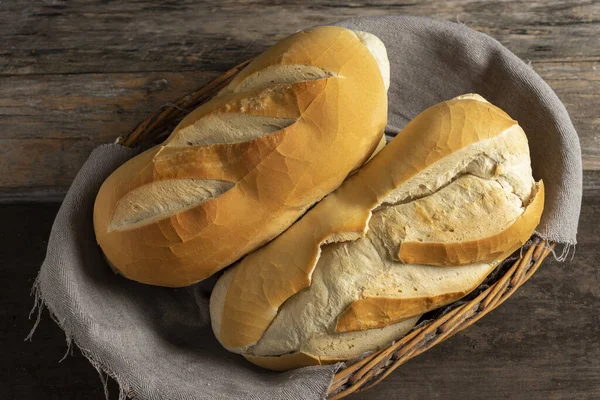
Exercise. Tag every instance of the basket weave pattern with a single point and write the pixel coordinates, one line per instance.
(369, 371)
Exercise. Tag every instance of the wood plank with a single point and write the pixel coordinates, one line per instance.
(77, 74)
(98, 36)
(541, 344)
(577, 84)
(75, 106)
(52, 122)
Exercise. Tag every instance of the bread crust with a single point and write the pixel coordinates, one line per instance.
(338, 120)
(289, 361)
(299, 301)
(265, 279)
(378, 312)
(481, 250)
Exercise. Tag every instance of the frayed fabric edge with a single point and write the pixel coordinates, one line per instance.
(569, 248)
(562, 255)
(338, 366)
(38, 304)
(103, 372)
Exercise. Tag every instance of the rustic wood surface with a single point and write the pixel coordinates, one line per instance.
(77, 74)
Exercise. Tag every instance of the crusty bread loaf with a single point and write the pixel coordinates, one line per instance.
(419, 226)
(240, 169)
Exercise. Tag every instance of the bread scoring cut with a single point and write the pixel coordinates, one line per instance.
(158, 200)
(228, 128)
(241, 168)
(282, 74)
(454, 189)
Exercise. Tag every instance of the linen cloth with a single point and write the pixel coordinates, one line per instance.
(158, 343)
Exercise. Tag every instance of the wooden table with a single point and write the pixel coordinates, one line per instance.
(77, 74)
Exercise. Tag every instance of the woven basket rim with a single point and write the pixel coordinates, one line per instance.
(367, 372)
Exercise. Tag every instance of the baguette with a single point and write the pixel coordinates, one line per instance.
(240, 169)
(418, 227)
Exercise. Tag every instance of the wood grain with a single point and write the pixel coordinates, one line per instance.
(577, 84)
(97, 36)
(51, 123)
(74, 75)
(77, 74)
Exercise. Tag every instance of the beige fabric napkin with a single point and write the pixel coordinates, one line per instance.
(158, 343)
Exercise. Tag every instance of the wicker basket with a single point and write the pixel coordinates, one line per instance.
(434, 327)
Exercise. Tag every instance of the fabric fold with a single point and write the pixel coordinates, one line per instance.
(158, 343)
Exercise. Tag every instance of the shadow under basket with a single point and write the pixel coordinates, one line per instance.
(434, 327)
